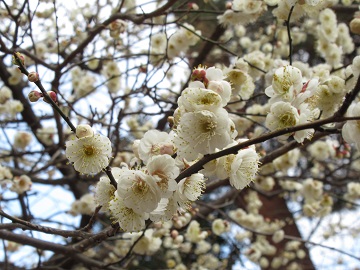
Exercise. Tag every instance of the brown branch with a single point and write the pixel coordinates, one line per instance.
(69, 251)
(233, 150)
(25, 225)
(349, 98)
(137, 19)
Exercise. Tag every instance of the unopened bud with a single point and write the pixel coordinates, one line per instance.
(193, 6)
(174, 234)
(199, 74)
(84, 131)
(355, 26)
(228, 5)
(19, 57)
(52, 95)
(34, 96)
(33, 76)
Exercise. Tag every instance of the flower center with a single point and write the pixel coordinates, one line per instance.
(140, 187)
(208, 99)
(89, 150)
(155, 149)
(287, 120)
(207, 126)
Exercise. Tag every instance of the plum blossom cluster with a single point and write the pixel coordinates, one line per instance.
(174, 244)
(9, 107)
(202, 125)
(242, 12)
(147, 187)
(175, 45)
(150, 191)
(307, 7)
(334, 39)
(291, 102)
(18, 184)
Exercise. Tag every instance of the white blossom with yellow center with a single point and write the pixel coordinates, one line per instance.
(201, 132)
(282, 115)
(155, 143)
(128, 219)
(191, 187)
(139, 191)
(196, 99)
(164, 171)
(244, 168)
(286, 84)
(89, 155)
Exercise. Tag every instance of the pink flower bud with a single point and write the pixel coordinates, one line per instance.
(34, 96)
(228, 5)
(199, 74)
(174, 234)
(52, 95)
(193, 6)
(33, 76)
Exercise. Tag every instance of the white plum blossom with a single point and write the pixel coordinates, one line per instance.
(351, 129)
(220, 226)
(164, 171)
(128, 219)
(147, 244)
(213, 79)
(322, 150)
(244, 167)
(155, 143)
(242, 12)
(306, 116)
(5, 173)
(197, 99)
(282, 115)
(84, 206)
(104, 192)
(308, 90)
(286, 84)
(21, 184)
(138, 191)
(194, 234)
(353, 191)
(5, 94)
(191, 187)
(278, 236)
(242, 83)
(90, 154)
(287, 161)
(181, 40)
(312, 189)
(165, 210)
(22, 139)
(201, 132)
